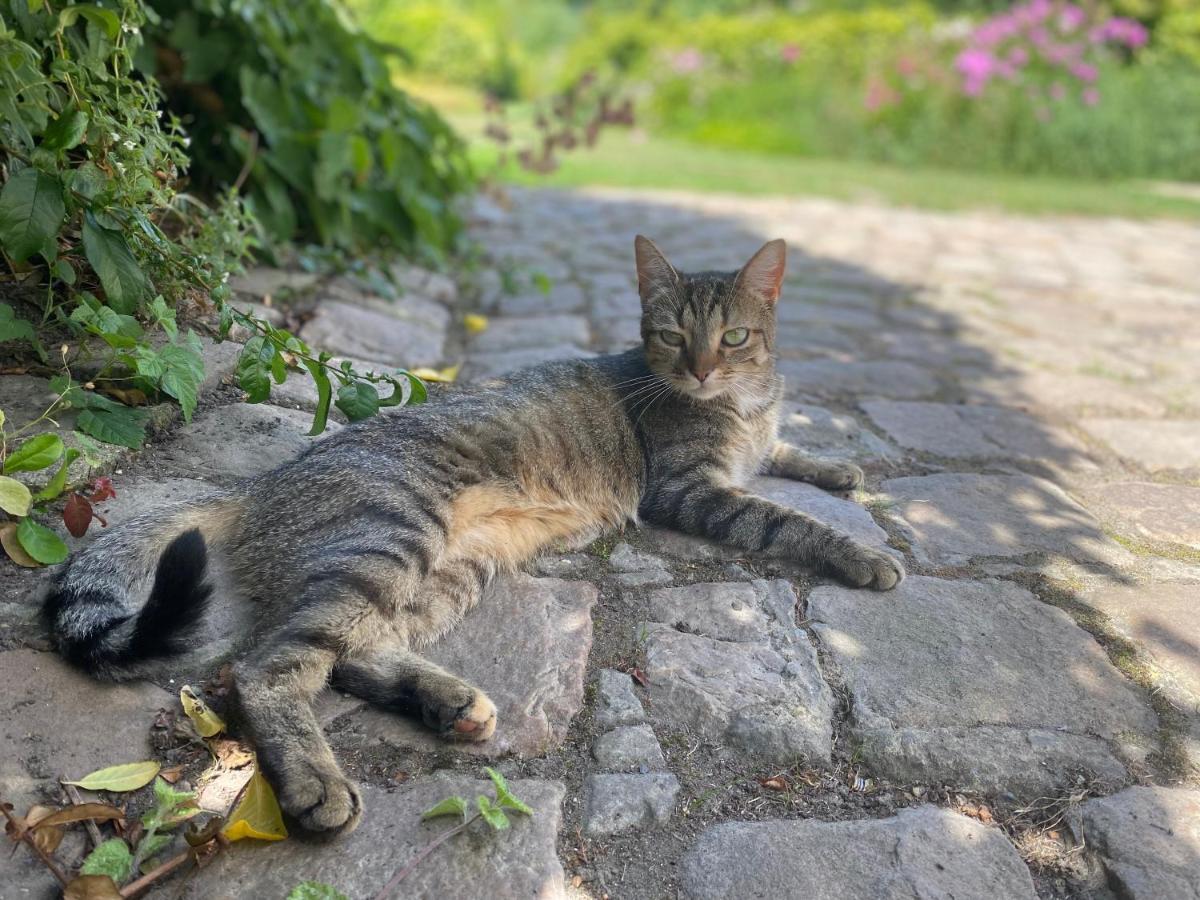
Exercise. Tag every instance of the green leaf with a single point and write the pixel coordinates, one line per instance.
(358, 400)
(15, 498)
(167, 799)
(315, 890)
(65, 272)
(41, 543)
(492, 814)
(31, 212)
(58, 483)
(184, 372)
(504, 796)
(66, 131)
(103, 18)
(150, 846)
(112, 858)
(324, 396)
(120, 778)
(12, 328)
(542, 281)
(451, 806)
(164, 316)
(254, 369)
(125, 284)
(35, 454)
(122, 425)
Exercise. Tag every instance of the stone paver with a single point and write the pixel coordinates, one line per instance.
(964, 682)
(348, 329)
(919, 854)
(524, 332)
(1147, 842)
(1157, 445)
(526, 645)
(620, 803)
(825, 378)
(830, 435)
(519, 862)
(1160, 512)
(627, 748)
(954, 518)
(616, 703)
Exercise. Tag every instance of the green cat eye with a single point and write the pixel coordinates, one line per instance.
(671, 338)
(735, 337)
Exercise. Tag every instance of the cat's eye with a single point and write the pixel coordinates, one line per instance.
(735, 337)
(671, 338)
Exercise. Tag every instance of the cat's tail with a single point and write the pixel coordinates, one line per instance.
(138, 590)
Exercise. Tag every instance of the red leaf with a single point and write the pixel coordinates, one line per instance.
(639, 676)
(102, 489)
(77, 514)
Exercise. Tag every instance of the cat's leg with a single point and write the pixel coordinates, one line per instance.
(691, 502)
(395, 677)
(786, 461)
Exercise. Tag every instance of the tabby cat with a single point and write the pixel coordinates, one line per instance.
(377, 540)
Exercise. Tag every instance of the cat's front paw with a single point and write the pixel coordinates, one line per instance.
(865, 567)
(320, 798)
(839, 477)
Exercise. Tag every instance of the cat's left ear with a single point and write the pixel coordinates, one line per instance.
(763, 275)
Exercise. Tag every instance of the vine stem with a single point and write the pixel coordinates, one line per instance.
(32, 845)
(425, 851)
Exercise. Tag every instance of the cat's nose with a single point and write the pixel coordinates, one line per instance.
(701, 374)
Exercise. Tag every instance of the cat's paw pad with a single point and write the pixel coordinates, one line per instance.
(323, 802)
(473, 720)
(865, 567)
(839, 477)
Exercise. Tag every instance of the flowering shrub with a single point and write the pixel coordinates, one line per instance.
(1046, 46)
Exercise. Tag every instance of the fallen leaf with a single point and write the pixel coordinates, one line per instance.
(257, 814)
(206, 721)
(197, 837)
(576, 881)
(77, 515)
(8, 540)
(446, 375)
(230, 753)
(100, 812)
(46, 840)
(475, 323)
(125, 777)
(91, 887)
(171, 775)
(775, 783)
(639, 676)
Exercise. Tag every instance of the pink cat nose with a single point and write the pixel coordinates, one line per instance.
(701, 376)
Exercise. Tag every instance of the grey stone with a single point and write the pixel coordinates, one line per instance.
(1064, 392)
(239, 440)
(919, 854)
(616, 702)
(638, 569)
(1147, 841)
(433, 285)
(628, 747)
(363, 332)
(830, 435)
(976, 432)
(262, 281)
(844, 515)
(955, 517)
(519, 862)
(525, 645)
(59, 722)
(963, 682)
(1157, 445)
(1164, 619)
(727, 612)
(520, 333)
(1159, 512)
(615, 335)
(884, 378)
(809, 313)
(564, 297)
(482, 366)
(618, 803)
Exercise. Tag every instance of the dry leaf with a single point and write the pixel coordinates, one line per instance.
(206, 722)
(775, 783)
(257, 814)
(475, 323)
(446, 375)
(8, 540)
(48, 839)
(128, 396)
(91, 887)
(230, 753)
(125, 777)
(639, 676)
(100, 812)
(171, 775)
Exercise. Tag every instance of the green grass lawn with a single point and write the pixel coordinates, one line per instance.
(625, 159)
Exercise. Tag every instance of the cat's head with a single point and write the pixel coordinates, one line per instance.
(711, 334)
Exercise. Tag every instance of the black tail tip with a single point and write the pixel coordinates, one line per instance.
(178, 599)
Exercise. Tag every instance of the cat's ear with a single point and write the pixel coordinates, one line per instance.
(763, 275)
(655, 275)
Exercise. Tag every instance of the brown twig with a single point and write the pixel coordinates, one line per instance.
(136, 887)
(89, 824)
(26, 836)
(248, 165)
(425, 851)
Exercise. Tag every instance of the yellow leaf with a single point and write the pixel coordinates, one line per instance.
(8, 540)
(206, 721)
(125, 777)
(475, 323)
(257, 814)
(448, 374)
(91, 887)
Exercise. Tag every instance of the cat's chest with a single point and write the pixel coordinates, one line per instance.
(747, 443)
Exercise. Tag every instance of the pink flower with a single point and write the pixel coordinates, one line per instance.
(879, 95)
(1018, 56)
(1091, 96)
(790, 53)
(1085, 72)
(1057, 91)
(1071, 18)
(687, 61)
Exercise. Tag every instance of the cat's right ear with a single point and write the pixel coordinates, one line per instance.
(655, 275)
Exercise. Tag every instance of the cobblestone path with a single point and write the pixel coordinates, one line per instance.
(1020, 718)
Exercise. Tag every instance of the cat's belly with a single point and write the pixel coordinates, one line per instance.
(510, 526)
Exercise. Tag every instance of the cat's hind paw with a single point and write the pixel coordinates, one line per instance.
(865, 567)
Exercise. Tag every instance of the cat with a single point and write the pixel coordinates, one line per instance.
(378, 539)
